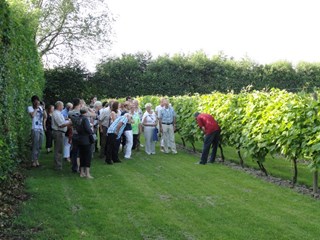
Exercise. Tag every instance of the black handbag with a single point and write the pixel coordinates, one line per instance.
(92, 139)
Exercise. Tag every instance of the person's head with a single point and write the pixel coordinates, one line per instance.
(69, 106)
(165, 102)
(35, 100)
(121, 106)
(196, 114)
(135, 103)
(50, 109)
(59, 105)
(105, 104)
(129, 99)
(97, 105)
(111, 101)
(76, 102)
(93, 99)
(115, 106)
(82, 103)
(161, 102)
(84, 110)
(127, 105)
(148, 107)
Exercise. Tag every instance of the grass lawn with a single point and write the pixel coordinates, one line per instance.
(276, 166)
(163, 197)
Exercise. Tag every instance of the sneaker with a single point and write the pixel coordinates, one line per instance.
(174, 152)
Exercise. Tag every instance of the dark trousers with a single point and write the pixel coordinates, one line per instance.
(85, 153)
(112, 148)
(135, 141)
(210, 140)
(49, 138)
(103, 140)
(74, 154)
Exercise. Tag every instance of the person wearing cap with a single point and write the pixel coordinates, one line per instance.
(211, 130)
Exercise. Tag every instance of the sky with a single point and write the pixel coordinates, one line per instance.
(263, 30)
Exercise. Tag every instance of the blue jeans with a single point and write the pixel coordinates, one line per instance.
(210, 140)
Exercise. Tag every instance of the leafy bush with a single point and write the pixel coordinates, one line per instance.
(21, 76)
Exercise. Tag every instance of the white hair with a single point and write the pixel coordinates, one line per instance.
(97, 104)
(148, 105)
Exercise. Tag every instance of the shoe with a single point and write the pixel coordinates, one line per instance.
(211, 162)
(127, 158)
(141, 145)
(153, 153)
(109, 162)
(200, 163)
(89, 177)
(118, 161)
(174, 152)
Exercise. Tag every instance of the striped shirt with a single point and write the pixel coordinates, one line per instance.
(114, 125)
(167, 115)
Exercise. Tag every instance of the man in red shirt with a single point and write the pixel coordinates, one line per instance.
(211, 130)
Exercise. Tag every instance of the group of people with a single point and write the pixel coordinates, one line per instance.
(73, 130)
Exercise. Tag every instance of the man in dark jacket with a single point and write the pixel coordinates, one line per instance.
(211, 130)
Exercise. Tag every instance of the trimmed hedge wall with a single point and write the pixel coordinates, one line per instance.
(138, 74)
(21, 76)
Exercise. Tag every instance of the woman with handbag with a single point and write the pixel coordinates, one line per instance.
(149, 121)
(85, 142)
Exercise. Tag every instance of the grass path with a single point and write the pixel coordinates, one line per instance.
(163, 197)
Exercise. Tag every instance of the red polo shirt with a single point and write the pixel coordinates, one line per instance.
(207, 121)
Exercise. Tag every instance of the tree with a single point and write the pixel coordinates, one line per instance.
(70, 27)
(65, 83)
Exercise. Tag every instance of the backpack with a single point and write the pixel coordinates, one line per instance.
(76, 121)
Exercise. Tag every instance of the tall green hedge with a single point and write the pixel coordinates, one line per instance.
(21, 76)
(139, 74)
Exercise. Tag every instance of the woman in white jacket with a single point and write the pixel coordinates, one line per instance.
(149, 121)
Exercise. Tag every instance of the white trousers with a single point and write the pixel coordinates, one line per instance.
(66, 147)
(129, 143)
(150, 147)
(168, 138)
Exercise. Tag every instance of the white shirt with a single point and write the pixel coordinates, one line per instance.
(37, 120)
(104, 117)
(158, 109)
(150, 118)
(58, 120)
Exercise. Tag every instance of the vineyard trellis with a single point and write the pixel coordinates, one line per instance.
(257, 123)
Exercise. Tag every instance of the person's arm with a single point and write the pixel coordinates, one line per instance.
(174, 123)
(33, 111)
(60, 121)
(86, 126)
(118, 127)
(45, 124)
(201, 125)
